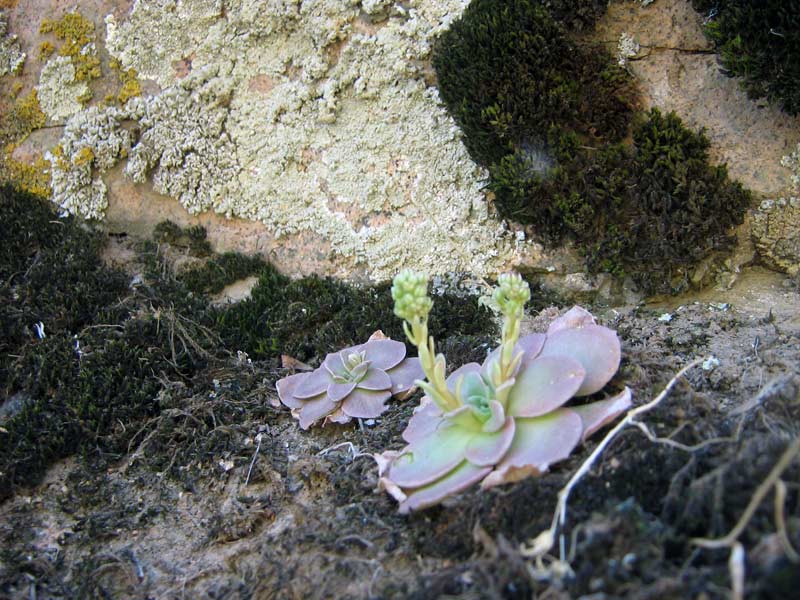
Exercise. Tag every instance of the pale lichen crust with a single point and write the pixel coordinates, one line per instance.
(59, 94)
(11, 56)
(315, 116)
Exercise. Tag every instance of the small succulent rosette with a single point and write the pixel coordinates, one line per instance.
(353, 383)
(497, 436)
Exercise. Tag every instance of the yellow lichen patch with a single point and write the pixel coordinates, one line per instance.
(46, 49)
(24, 116)
(128, 78)
(84, 156)
(60, 162)
(8, 3)
(34, 178)
(77, 34)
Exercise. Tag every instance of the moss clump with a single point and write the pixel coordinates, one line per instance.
(554, 123)
(77, 34)
(760, 42)
(193, 237)
(220, 271)
(515, 81)
(309, 317)
(96, 360)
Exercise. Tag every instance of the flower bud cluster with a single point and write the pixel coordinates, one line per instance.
(511, 294)
(410, 294)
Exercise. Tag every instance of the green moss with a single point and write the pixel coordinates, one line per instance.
(95, 373)
(220, 271)
(759, 42)
(309, 317)
(554, 123)
(512, 78)
(193, 238)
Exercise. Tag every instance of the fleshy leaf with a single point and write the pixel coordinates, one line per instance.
(463, 370)
(426, 418)
(339, 391)
(538, 443)
(359, 370)
(313, 385)
(334, 364)
(405, 374)
(429, 458)
(286, 387)
(365, 404)
(486, 449)
(456, 481)
(531, 345)
(375, 379)
(497, 419)
(597, 414)
(384, 354)
(575, 318)
(545, 384)
(313, 410)
(595, 347)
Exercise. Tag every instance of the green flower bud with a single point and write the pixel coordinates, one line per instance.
(410, 294)
(511, 293)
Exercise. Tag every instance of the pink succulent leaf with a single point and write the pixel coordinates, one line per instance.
(530, 345)
(454, 482)
(538, 443)
(429, 458)
(339, 391)
(286, 387)
(359, 370)
(464, 417)
(338, 416)
(375, 379)
(597, 414)
(334, 363)
(405, 374)
(486, 449)
(426, 418)
(497, 419)
(545, 384)
(575, 318)
(453, 378)
(314, 384)
(314, 410)
(384, 354)
(365, 404)
(597, 348)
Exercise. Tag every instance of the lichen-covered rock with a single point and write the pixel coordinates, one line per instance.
(11, 57)
(776, 233)
(183, 141)
(59, 93)
(95, 139)
(315, 117)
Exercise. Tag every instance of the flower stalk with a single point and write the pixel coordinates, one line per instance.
(412, 304)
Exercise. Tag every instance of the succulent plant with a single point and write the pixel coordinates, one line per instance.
(503, 420)
(352, 383)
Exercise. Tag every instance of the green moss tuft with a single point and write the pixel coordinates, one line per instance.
(552, 120)
(309, 317)
(760, 42)
(220, 271)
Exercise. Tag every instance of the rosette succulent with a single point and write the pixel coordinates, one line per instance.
(505, 419)
(354, 382)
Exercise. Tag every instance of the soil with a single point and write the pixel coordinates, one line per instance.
(223, 496)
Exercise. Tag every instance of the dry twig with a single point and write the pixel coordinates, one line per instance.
(545, 541)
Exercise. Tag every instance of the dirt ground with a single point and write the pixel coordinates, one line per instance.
(223, 496)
